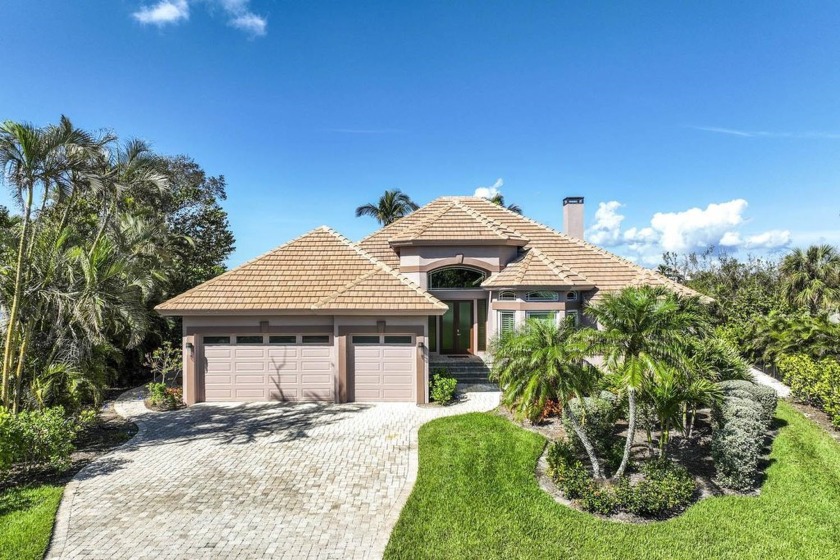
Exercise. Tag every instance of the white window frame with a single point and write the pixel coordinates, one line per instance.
(507, 295)
(574, 313)
(501, 321)
(530, 296)
(571, 296)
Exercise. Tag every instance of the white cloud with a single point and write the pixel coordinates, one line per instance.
(773, 239)
(251, 23)
(607, 228)
(490, 192)
(238, 12)
(164, 12)
(695, 229)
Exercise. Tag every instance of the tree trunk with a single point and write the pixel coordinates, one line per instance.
(8, 351)
(691, 422)
(631, 432)
(27, 336)
(584, 439)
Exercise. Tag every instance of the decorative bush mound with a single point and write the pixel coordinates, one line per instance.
(39, 437)
(741, 422)
(664, 488)
(163, 396)
(815, 382)
(763, 395)
(442, 387)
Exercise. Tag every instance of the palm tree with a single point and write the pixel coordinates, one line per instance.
(543, 363)
(639, 327)
(35, 159)
(811, 278)
(499, 199)
(391, 206)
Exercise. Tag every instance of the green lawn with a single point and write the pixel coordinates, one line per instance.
(26, 520)
(476, 497)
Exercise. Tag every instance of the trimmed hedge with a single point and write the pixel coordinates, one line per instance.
(815, 382)
(741, 422)
(762, 394)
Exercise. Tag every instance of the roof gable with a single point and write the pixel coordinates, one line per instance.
(534, 270)
(310, 273)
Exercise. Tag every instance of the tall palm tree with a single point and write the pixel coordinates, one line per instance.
(638, 327)
(543, 363)
(811, 278)
(499, 199)
(36, 159)
(391, 206)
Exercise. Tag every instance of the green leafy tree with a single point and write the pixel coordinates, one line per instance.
(391, 206)
(543, 364)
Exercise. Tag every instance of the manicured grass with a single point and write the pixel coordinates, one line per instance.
(477, 497)
(26, 520)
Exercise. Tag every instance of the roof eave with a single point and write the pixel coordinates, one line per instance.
(336, 311)
(456, 242)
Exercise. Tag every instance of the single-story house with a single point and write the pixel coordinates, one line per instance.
(322, 318)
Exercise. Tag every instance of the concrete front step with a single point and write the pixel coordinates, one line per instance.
(467, 371)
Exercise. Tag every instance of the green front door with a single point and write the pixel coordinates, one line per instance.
(456, 328)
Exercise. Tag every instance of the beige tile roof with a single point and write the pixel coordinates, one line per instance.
(456, 223)
(606, 271)
(534, 269)
(319, 271)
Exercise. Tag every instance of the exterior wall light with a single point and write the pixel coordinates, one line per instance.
(191, 349)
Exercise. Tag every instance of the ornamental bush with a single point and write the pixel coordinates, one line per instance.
(442, 388)
(38, 437)
(665, 487)
(736, 451)
(815, 382)
(597, 417)
(765, 396)
(738, 407)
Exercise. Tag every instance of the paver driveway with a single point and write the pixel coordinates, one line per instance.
(249, 481)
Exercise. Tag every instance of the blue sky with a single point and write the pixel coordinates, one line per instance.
(682, 125)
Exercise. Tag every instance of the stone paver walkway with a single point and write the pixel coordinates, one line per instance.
(249, 481)
(760, 377)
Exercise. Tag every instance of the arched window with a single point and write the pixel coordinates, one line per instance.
(507, 296)
(455, 277)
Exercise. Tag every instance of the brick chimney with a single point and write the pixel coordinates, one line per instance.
(573, 216)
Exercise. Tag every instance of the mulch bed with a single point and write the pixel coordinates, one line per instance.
(109, 431)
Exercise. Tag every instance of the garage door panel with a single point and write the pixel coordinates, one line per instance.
(268, 372)
(383, 372)
(315, 351)
(315, 366)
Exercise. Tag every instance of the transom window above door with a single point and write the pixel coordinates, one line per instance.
(456, 277)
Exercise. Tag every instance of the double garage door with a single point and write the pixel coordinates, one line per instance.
(268, 368)
(302, 368)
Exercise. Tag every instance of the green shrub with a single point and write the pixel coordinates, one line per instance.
(160, 394)
(665, 487)
(737, 407)
(597, 418)
(442, 388)
(765, 396)
(38, 437)
(815, 382)
(736, 451)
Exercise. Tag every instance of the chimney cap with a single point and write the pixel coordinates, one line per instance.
(572, 200)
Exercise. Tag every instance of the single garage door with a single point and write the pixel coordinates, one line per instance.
(268, 368)
(384, 368)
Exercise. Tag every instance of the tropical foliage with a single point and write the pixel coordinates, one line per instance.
(105, 231)
(499, 199)
(390, 207)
